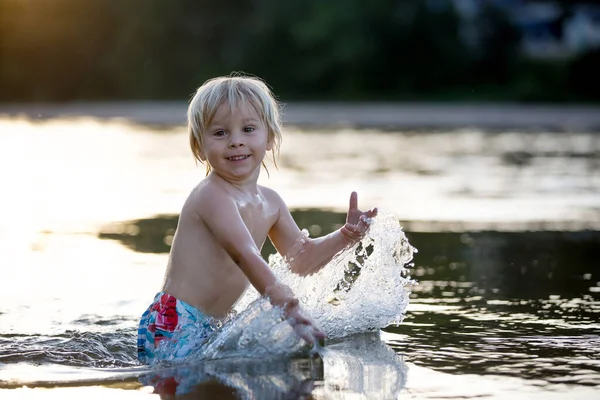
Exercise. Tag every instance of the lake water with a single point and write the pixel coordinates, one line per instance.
(506, 223)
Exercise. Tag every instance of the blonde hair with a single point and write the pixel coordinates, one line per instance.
(232, 90)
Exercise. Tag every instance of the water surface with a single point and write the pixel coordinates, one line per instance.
(506, 224)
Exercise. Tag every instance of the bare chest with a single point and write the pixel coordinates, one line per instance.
(259, 217)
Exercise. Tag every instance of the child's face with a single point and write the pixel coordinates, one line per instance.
(235, 142)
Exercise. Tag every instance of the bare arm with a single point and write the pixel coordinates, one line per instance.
(221, 215)
(307, 256)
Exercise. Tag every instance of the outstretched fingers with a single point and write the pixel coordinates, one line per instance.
(309, 333)
(318, 334)
(365, 219)
(353, 201)
(304, 333)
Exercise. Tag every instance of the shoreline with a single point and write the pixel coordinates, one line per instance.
(387, 116)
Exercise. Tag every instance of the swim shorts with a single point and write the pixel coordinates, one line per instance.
(170, 329)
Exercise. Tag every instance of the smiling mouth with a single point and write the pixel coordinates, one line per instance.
(237, 158)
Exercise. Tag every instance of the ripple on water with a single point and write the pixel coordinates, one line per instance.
(71, 348)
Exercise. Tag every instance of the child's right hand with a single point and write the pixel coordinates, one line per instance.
(281, 295)
(304, 326)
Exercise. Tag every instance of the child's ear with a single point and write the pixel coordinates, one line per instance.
(270, 143)
(202, 156)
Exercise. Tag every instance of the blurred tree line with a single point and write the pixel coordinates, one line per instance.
(62, 50)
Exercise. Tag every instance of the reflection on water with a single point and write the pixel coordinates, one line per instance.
(362, 366)
(241, 380)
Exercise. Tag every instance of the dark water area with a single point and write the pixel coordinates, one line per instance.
(497, 265)
(521, 304)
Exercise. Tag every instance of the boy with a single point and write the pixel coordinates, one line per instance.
(233, 123)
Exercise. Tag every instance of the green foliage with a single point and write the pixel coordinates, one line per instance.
(60, 50)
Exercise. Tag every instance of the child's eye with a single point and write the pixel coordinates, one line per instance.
(220, 133)
(248, 129)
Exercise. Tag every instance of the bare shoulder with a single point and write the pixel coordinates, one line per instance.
(207, 197)
(272, 197)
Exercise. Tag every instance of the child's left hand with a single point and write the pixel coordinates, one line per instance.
(357, 222)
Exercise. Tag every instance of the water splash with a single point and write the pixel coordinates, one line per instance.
(364, 288)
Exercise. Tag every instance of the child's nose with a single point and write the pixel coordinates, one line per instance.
(236, 140)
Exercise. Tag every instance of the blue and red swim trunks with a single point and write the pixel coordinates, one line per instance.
(170, 329)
